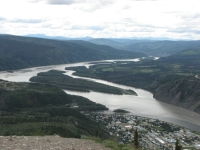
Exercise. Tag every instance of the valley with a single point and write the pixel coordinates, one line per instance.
(43, 76)
(143, 104)
(113, 75)
(171, 79)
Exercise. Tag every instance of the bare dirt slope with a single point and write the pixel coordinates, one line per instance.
(47, 143)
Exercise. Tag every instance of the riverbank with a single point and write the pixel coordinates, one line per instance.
(143, 105)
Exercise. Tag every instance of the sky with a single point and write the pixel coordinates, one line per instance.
(176, 19)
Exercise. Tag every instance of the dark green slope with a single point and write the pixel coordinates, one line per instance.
(162, 48)
(16, 55)
(20, 52)
(17, 95)
(188, 60)
(190, 55)
(39, 109)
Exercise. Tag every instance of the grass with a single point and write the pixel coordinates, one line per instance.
(189, 52)
(184, 74)
(122, 69)
(176, 66)
(108, 69)
(197, 133)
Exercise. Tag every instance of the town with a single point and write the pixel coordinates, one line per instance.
(153, 133)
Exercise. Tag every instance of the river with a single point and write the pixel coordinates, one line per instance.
(143, 105)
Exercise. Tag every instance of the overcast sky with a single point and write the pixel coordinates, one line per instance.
(179, 19)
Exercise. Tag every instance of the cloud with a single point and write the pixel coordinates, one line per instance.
(102, 18)
(184, 30)
(145, 0)
(188, 24)
(1, 18)
(191, 16)
(69, 2)
(65, 2)
(59, 2)
(79, 27)
(136, 29)
(196, 31)
(27, 21)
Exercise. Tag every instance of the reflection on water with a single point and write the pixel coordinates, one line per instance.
(145, 107)
(144, 104)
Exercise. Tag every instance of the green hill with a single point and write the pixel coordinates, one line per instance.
(39, 109)
(14, 96)
(150, 47)
(162, 48)
(21, 52)
(188, 60)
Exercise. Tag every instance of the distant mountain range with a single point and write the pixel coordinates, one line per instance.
(89, 38)
(57, 37)
(161, 47)
(149, 47)
(22, 52)
(18, 52)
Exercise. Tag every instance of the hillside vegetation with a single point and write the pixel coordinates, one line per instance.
(39, 109)
(66, 82)
(162, 48)
(21, 52)
(172, 79)
(149, 47)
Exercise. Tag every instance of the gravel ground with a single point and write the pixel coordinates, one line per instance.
(47, 143)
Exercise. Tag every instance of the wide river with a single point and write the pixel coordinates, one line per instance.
(143, 105)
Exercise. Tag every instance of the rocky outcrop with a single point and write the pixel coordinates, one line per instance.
(184, 93)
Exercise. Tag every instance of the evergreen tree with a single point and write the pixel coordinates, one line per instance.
(136, 142)
(177, 145)
(97, 133)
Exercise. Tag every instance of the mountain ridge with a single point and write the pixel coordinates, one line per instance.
(23, 52)
(151, 47)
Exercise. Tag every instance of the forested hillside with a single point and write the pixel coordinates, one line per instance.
(22, 52)
(162, 48)
(66, 82)
(39, 109)
(150, 47)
